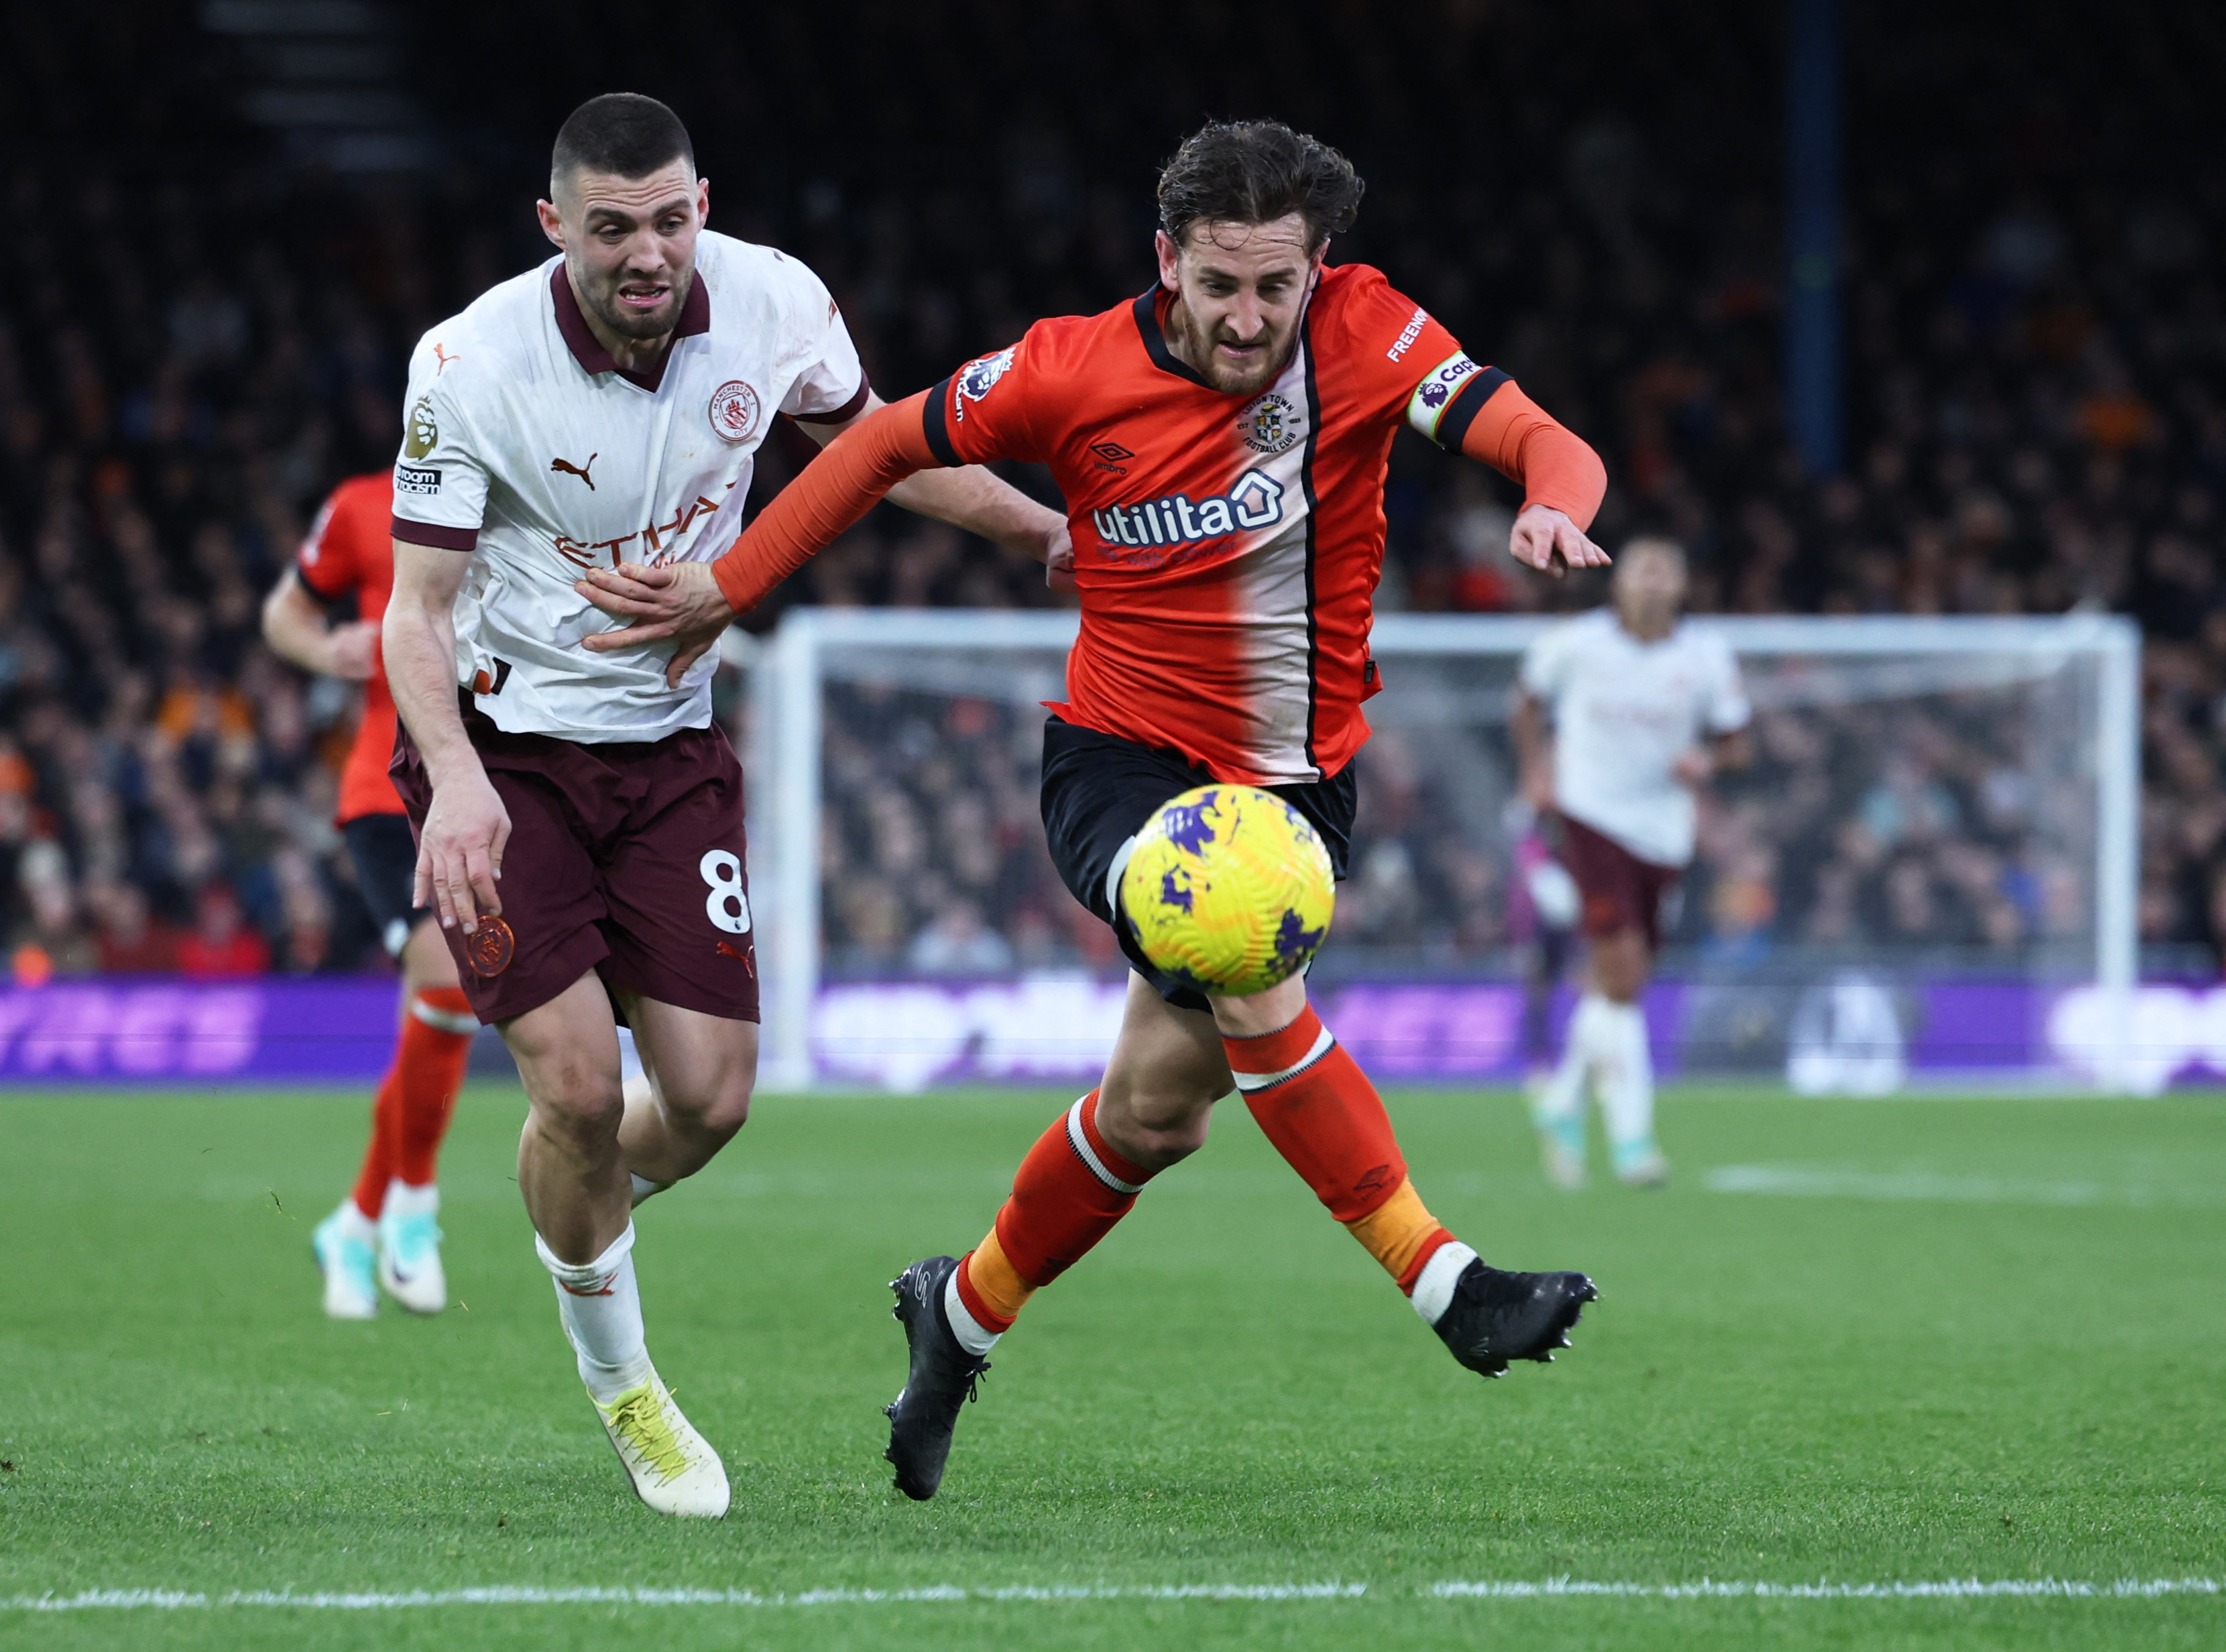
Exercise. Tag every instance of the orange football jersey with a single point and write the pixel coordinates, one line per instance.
(1227, 548)
(350, 549)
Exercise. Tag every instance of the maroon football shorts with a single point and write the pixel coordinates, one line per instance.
(624, 858)
(1620, 891)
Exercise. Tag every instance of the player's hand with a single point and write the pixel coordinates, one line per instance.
(679, 602)
(459, 852)
(1059, 559)
(1548, 541)
(1693, 767)
(351, 649)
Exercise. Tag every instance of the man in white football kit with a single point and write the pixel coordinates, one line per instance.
(1645, 708)
(607, 408)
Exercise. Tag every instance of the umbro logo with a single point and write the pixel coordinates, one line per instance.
(580, 470)
(1109, 454)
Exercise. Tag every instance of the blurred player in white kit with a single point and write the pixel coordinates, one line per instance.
(1623, 714)
(604, 407)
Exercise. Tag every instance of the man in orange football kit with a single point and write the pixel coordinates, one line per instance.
(1221, 444)
(387, 1225)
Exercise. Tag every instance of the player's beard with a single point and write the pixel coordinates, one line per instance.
(603, 298)
(1245, 381)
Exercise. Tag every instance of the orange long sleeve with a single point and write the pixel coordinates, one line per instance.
(1556, 466)
(845, 482)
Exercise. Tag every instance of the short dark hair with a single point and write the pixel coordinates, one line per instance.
(1255, 172)
(622, 133)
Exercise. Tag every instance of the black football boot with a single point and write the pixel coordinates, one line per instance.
(944, 1377)
(1495, 1317)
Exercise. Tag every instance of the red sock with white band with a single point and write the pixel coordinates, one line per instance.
(1322, 1114)
(1067, 1195)
(1316, 1105)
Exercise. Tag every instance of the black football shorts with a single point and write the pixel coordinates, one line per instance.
(1099, 790)
(385, 855)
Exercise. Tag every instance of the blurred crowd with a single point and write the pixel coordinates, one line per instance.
(197, 340)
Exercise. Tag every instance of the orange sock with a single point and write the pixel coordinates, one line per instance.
(418, 1095)
(990, 1287)
(1401, 1234)
(1324, 1116)
(1068, 1192)
(369, 1195)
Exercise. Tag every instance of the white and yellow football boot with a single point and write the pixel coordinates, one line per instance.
(673, 1468)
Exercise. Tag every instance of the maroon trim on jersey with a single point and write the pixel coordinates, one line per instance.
(587, 350)
(1155, 338)
(433, 534)
(1454, 423)
(935, 425)
(844, 413)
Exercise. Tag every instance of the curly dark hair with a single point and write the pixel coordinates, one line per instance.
(1255, 172)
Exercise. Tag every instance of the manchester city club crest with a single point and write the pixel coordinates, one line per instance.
(734, 410)
(1271, 424)
(491, 946)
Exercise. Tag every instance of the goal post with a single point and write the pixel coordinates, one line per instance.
(1930, 876)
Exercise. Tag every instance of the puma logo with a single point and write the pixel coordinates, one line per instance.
(580, 470)
(444, 358)
(1374, 1178)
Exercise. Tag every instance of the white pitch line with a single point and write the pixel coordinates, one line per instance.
(1944, 1589)
(1805, 1181)
(1546, 1589)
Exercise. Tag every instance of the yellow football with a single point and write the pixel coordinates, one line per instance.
(1229, 889)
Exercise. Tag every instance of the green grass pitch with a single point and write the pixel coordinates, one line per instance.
(1856, 1343)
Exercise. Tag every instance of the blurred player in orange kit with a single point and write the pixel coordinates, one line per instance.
(1221, 443)
(387, 1228)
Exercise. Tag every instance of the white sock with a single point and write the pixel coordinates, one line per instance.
(975, 1338)
(1433, 1286)
(1626, 1088)
(646, 1189)
(404, 1201)
(600, 1307)
(354, 1225)
(1562, 1100)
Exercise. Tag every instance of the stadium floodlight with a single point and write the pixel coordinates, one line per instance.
(1930, 876)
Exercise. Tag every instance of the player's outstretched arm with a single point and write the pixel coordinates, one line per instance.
(294, 624)
(1563, 478)
(459, 848)
(690, 604)
(970, 498)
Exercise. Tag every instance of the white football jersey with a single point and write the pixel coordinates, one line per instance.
(1623, 710)
(529, 450)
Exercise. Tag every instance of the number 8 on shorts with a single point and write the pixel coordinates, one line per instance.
(726, 907)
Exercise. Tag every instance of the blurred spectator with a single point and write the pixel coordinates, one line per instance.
(221, 943)
(2036, 346)
(130, 939)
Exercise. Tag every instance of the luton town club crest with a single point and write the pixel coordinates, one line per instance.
(734, 410)
(1270, 424)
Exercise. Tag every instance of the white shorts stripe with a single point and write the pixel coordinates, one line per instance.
(1249, 1081)
(1080, 1140)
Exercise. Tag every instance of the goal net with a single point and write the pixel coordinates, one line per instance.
(1926, 877)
